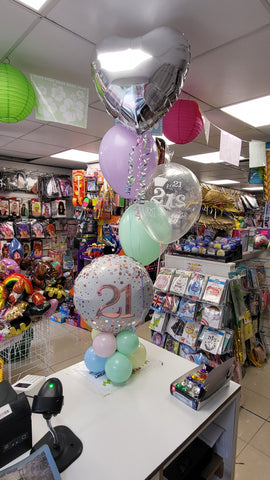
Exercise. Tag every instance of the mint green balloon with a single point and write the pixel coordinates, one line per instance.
(156, 221)
(127, 342)
(135, 240)
(118, 368)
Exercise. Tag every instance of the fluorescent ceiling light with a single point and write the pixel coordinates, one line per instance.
(35, 4)
(221, 182)
(253, 188)
(77, 156)
(122, 60)
(205, 158)
(168, 142)
(254, 112)
(212, 157)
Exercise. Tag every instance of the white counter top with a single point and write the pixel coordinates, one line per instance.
(130, 433)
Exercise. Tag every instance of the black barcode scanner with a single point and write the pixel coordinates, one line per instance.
(49, 400)
(65, 446)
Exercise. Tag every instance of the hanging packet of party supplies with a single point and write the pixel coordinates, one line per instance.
(196, 285)
(179, 282)
(164, 278)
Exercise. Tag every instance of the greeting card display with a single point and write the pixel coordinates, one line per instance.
(196, 286)
(158, 301)
(171, 303)
(175, 327)
(215, 289)
(158, 321)
(185, 351)
(164, 278)
(190, 333)
(158, 338)
(212, 340)
(211, 315)
(171, 345)
(179, 282)
(187, 309)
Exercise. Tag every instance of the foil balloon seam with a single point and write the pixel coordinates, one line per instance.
(145, 152)
(131, 178)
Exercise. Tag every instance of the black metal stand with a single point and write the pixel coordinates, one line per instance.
(64, 445)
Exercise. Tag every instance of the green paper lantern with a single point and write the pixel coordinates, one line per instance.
(17, 96)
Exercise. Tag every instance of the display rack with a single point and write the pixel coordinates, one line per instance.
(27, 352)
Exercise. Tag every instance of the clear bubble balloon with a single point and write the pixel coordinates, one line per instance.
(113, 293)
(177, 190)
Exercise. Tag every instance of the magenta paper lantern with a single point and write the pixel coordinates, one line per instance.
(183, 122)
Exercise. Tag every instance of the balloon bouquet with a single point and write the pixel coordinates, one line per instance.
(114, 293)
(22, 290)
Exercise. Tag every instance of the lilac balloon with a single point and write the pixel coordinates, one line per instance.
(127, 159)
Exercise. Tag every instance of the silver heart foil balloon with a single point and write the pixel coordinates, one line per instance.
(140, 96)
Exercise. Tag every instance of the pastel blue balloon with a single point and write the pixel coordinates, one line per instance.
(93, 362)
(127, 342)
(118, 368)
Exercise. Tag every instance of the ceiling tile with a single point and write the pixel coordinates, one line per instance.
(14, 154)
(99, 122)
(32, 148)
(223, 72)
(92, 147)
(58, 136)
(55, 53)
(4, 140)
(18, 129)
(206, 24)
(12, 31)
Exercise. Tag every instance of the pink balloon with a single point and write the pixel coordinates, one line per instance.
(122, 155)
(53, 307)
(104, 344)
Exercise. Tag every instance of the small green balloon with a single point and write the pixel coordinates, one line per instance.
(156, 221)
(127, 342)
(118, 368)
(135, 240)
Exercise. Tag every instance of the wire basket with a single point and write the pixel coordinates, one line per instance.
(28, 352)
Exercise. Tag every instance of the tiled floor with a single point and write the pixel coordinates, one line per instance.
(68, 345)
